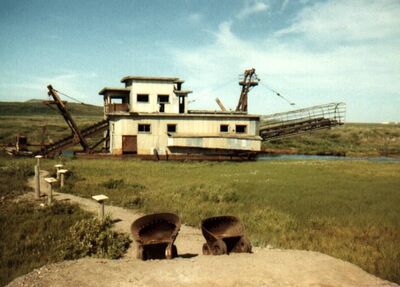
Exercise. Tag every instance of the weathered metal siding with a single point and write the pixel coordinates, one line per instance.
(153, 89)
(216, 143)
(158, 138)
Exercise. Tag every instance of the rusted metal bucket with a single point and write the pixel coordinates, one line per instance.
(155, 235)
(224, 234)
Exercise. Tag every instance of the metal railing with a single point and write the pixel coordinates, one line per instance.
(112, 108)
(302, 120)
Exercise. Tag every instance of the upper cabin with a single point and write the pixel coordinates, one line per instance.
(146, 95)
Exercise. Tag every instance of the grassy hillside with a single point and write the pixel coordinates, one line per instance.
(37, 108)
(351, 139)
(29, 117)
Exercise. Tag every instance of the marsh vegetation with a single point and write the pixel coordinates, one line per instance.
(34, 234)
(347, 209)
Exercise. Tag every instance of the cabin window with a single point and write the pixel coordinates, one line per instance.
(241, 129)
(163, 99)
(142, 98)
(223, 128)
(116, 100)
(144, 128)
(171, 128)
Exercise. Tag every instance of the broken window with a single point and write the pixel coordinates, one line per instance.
(144, 128)
(163, 99)
(142, 98)
(241, 129)
(171, 128)
(223, 128)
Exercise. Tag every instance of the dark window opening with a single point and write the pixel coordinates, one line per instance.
(144, 128)
(241, 129)
(181, 105)
(163, 99)
(141, 98)
(223, 128)
(171, 128)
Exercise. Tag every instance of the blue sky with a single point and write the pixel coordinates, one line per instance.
(312, 52)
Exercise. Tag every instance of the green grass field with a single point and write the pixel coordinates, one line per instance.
(33, 235)
(347, 209)
(350, 139)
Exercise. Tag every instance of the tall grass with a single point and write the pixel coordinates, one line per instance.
(350, 139)
(32, 235)
(346, 209)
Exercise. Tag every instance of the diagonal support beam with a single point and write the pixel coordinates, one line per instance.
(68, 118)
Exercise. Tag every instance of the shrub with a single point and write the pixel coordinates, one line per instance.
(95, 238)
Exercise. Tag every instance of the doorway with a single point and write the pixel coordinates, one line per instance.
(129, 144)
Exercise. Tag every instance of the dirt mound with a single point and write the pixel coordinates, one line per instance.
(262, 268)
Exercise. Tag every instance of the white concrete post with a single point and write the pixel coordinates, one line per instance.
(58, 167)
(100, 199)
(37, 176)
(38, 157)
(37, 182)
(50, 181)
(62, 173)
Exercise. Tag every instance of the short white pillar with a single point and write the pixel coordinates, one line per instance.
(50, 181)
(38, 157)
(100, 199)
(37, 182)
(62, 173)
(58, 167)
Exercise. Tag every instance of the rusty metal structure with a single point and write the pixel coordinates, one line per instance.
(301, 121)
(155, 235)
(184, 143)
(248, 81)
(78, 136)
(20, 147)
(224, 234)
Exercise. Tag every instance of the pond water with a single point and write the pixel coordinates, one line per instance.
(324, 157)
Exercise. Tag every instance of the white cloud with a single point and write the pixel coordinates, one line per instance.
(195, 18)
(359, 73)
(252, 7)
(342, 20)
(284, 4)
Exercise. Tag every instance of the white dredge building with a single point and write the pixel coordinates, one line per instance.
(150, 116)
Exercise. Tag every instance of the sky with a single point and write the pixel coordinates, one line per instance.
(311, 52)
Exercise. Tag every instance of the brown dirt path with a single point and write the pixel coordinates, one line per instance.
(264, 267)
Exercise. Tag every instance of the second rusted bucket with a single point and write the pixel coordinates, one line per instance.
(155, 235)
(224, 234)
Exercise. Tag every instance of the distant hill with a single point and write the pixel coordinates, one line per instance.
(35, 107)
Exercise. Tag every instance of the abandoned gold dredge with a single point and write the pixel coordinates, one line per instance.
(149, 117)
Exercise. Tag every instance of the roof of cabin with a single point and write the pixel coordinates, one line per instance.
(183, 91)
(146, 78)
(113, 89)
